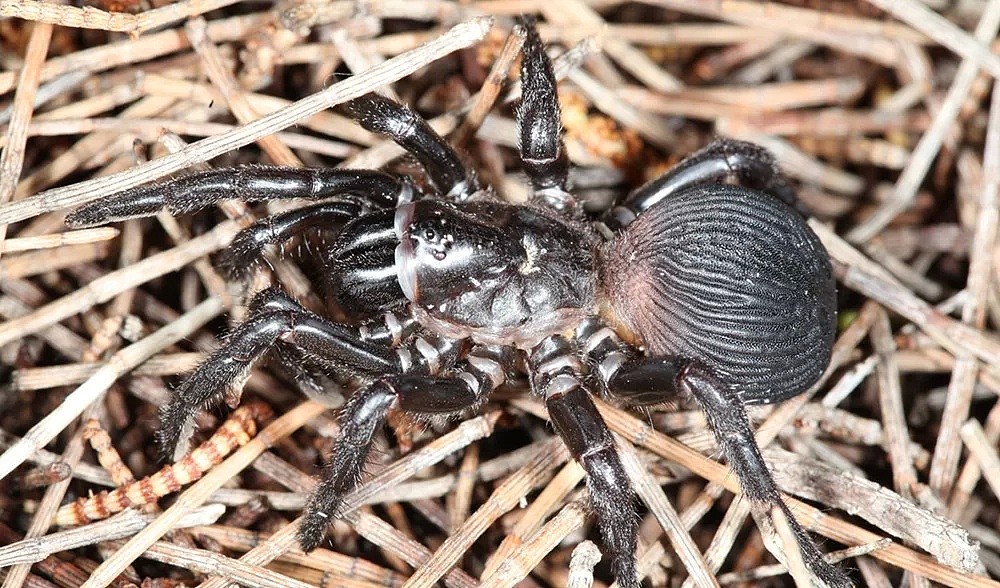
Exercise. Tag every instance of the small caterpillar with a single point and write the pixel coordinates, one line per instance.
(237, 431)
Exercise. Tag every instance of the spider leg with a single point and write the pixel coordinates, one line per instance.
(274, 317)
(557, 376)
(392, 328)
(247, 248)
(464, 387)
(296, 363)
(752, 165)
(250, 183)
(539, 128)
(379, 114)
(638, 380)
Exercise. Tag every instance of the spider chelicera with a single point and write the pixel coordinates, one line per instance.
(688, 288)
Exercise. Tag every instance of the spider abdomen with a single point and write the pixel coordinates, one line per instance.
(729, 275)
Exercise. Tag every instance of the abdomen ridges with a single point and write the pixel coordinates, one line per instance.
(732, 277)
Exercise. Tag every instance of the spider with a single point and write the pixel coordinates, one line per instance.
(688, 288)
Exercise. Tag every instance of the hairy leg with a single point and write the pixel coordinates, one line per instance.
(274, 318)
(637, 380)
(752, 165)
(539, 128)
(557, 376)
(277, 321)
(411, 132)
(463, 387)
(250, 183)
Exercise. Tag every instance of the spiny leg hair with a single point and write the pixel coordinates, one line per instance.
(461, 388)
(638, 380)
(410, 131)
(557, 375)
(249, 183)
(274, 316)
(539, 128)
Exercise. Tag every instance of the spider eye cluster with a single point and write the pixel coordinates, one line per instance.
(446, 253)
(426, 235)
(434, 235)
(426, 243)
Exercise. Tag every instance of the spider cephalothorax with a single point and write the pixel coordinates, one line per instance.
(689, 288)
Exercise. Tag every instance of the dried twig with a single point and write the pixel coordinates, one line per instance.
(284, 539)
(581, 567)
(89, 17)
(96, 385)
(237, 431)
(194, 496)
(640, 433)
(930, 142)
(12, 157)
(519, 565)
(460, 36)
(121, 525)
(922, 18)
(653, 496)
(59, 239)
(981, 255)
(505, 497)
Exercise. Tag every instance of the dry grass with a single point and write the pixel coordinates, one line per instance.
(881, 112)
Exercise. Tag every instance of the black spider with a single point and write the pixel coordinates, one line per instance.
(688, 288)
